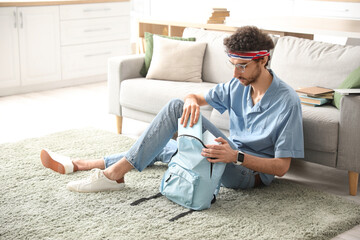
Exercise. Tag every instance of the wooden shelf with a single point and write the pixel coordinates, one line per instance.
(303, 27)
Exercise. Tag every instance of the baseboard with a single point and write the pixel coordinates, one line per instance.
(51, 85)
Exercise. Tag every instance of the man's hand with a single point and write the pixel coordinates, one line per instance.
(224, 153)
(220, 153)
(192, 109)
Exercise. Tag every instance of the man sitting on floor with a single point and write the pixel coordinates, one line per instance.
(265, 126)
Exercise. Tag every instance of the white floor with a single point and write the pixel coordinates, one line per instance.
(40, 113)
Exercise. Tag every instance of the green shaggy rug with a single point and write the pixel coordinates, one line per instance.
(34, 202)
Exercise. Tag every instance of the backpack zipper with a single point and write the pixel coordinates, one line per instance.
(187, 135)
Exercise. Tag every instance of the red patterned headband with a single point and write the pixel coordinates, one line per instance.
(250, 55)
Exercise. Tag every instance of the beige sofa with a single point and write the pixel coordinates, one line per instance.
(331, 136)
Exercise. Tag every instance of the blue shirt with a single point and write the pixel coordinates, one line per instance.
(270, 128)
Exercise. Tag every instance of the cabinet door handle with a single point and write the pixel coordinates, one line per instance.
(22, 20)
(96, 9)
(97, 54)
(15, 20)
(97, 29)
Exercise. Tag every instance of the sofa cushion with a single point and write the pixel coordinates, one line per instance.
(305, 63)
(215, 67)
(221, 121)
(176, 60)
(149, 48)
(352, 81)
(321, 126)
(151, 95)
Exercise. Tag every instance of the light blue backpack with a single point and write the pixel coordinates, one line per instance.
(190, 180)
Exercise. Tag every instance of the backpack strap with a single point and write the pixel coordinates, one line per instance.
(137, 202)
(188, 212)
(181, 215)
(213, 200)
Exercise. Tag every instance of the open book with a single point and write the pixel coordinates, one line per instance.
(348, 91)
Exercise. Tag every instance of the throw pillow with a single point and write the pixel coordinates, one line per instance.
(176, 60)
(352, 81)
(149, 50)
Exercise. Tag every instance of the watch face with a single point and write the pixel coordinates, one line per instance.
(240, 157)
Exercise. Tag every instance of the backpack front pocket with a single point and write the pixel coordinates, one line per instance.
(178, 184)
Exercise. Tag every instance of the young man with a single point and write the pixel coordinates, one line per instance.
(265, 126)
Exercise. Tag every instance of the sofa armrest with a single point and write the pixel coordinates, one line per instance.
(349, 134)
(119, 69)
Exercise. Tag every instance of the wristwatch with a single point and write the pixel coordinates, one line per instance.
(240, 157)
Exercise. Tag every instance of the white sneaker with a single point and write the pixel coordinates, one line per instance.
(56, 162)
(97, 182)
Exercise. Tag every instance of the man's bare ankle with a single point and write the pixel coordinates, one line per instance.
(121, 180)
(88, 164)
(76, 167)
(113, 177)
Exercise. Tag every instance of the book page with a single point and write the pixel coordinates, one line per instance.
(208, 138)
(348, 91)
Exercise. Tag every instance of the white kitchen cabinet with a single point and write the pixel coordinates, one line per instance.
(94, 30)
(96, 10)
(29, 46)
(90, 35)
(44, 47)
(90, 59)
(9, 48)
(39, 41)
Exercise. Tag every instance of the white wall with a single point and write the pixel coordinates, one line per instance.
(200, 10)
(190, 10)
(349, 10)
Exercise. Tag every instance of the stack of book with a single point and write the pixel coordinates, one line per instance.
(315, 96)
(218, 16)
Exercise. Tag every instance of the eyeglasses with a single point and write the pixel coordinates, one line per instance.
(239, 66)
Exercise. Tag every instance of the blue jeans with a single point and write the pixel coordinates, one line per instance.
(155, 144)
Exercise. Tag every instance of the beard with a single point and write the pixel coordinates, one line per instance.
(252, 78)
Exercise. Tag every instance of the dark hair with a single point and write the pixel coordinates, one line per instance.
(248, 38)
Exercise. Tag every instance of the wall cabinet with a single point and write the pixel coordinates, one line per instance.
(45, 47)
